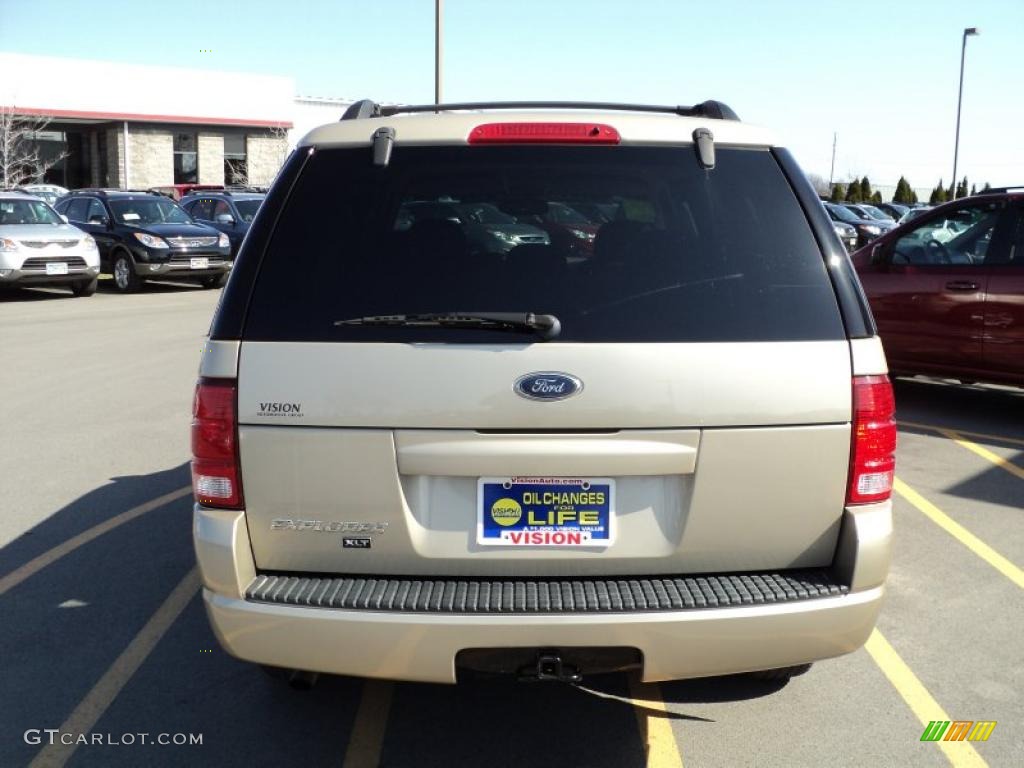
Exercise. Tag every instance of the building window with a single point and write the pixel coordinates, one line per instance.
(236, 167)
(186, 159)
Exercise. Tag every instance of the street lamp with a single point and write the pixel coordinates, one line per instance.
(438, 41)
(969, 32)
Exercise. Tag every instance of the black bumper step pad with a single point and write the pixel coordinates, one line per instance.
(593, 595)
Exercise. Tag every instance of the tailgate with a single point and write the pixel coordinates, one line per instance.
(723, 457)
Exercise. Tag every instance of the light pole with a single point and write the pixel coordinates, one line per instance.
(438, 10)
(832, 172)
(969, 32)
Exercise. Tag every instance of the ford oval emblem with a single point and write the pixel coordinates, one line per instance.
(547, 385)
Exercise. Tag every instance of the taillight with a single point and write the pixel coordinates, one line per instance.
(216, 481)
(873, 454)
(544, 133)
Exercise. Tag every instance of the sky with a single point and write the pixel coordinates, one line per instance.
(881, 76)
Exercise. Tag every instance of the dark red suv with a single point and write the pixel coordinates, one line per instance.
(947, 289)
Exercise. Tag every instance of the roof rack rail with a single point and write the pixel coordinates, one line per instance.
(362, 109)
(110, 190)
(715, 110)
(1001, 190)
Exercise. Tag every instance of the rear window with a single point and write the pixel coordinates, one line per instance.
(621, 244)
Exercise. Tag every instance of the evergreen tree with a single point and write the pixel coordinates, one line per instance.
(903, 192)
(853, 192)
(974, 189)
(938, 194)
(865, 189)
(961, 190)
(913, 197)
(837, 193)
(987, 187)
(876, 197)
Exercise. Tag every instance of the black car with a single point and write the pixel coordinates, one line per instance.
(896, 211)
(142, 236)
(229, 211)
(867, 229)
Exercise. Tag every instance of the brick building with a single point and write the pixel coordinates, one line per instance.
(135, 127)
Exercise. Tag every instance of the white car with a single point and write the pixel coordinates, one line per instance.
(51, 193)
(38, 247)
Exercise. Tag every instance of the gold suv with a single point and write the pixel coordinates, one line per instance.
(416, 454)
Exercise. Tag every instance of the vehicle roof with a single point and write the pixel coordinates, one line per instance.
(454, 127)
(17, 194)
(226, 194)
(116, 193)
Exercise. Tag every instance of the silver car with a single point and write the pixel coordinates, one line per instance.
(39, 248)
(414, 458)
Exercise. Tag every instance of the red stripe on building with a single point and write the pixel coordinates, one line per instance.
(56, 114)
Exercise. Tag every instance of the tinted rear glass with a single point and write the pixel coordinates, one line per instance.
(620, 243)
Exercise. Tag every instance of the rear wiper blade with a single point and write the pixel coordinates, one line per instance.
(545, 326)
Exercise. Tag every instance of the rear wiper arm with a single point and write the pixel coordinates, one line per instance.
(545, 326)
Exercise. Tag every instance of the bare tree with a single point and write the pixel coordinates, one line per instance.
(21, 161)
(819, 183)
(239, 169)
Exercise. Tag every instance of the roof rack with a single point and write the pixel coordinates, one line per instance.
(229, 191)
(110, 191)
(715, 110)
(1001, 190)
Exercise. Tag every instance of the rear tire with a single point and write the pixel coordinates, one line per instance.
(87, 288)
(125, 279)
(215, 281)
(781, 675)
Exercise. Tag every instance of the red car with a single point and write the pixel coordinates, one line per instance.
(178, 191)
(947, 290)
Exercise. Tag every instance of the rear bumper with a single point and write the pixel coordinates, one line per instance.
(423, 647)
(674, 645)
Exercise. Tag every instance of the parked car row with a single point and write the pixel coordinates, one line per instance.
(135, 236)
(868, 221)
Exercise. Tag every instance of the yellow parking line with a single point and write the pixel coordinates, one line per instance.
(980, 435)
(36, 564)
(91, 708)
(961, 534)
(367, 737)
(662, 749)
(921, 703)
(985, 453)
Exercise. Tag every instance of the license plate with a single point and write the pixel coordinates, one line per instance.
(545, 511)
(56, 268)
(199, 263)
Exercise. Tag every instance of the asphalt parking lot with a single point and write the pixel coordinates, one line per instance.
(102, 630)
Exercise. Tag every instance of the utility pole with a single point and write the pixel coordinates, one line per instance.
(832, 172)
(438, 11)
(969, 32)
